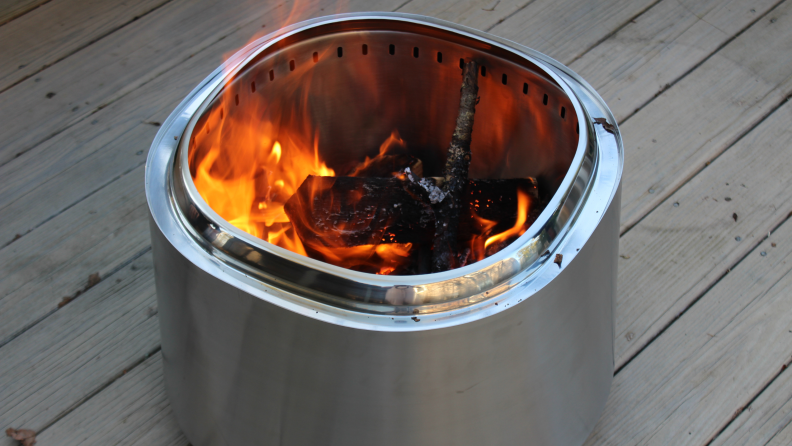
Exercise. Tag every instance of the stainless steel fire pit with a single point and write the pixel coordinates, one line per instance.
(265, 346)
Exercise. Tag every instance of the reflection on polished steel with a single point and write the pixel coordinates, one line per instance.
(265, 346)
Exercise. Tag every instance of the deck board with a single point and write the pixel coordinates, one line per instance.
(768, 420)
(659, 47)
(59, 28)
(60, 362)
(691, 82)
(12, 9)
(705, 112)
(687, 385)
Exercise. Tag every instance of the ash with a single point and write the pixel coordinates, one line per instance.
(436, 195)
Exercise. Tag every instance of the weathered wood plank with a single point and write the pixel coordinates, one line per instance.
(69, 91)
(688, 383)
(57, 29)
(86, 157)
(566, 30)
(134, 410)
(479, 14)
(674, 254)
(767, 421)
(11, 9)
(54, 366)
(97, 235)
(674, 136)
(660, 46)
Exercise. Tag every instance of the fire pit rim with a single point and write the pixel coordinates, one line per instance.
(526, 252)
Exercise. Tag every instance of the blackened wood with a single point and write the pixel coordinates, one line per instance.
(456, 174)
(353, 211)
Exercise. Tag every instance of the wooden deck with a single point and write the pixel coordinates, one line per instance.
(700, 89)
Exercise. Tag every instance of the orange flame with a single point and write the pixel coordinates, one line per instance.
(523, 201)
(248, 158)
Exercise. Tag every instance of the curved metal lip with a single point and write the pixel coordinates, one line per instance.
(499, 273)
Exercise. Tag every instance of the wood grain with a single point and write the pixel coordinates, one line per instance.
(98, 235)
(57, 29)
(11, 9)
(133, 411)
(676, 135)
(674, 254)
(479, 14)
(686, 386)
(575, 27)
(767, 421)
(94, 77)
(71, 166)
(54, 366)
(660, 46)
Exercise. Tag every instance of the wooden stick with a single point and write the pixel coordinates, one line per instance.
(444, 249)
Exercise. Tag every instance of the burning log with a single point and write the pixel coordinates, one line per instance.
(456, 174)
(386, 165)
(384, 209)
(353, 211)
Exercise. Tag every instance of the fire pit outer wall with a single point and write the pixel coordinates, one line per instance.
(264, 346)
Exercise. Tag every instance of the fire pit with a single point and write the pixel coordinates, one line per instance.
(266, 345)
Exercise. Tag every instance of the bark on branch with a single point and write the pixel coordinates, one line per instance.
(444, 249)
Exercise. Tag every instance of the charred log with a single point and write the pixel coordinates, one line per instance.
(353, 211)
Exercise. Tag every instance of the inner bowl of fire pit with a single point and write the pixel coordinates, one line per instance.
(326, 100)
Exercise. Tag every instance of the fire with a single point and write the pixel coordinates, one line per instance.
(523, 201)
(248, 158)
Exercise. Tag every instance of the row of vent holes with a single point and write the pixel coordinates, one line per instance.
(416, 52)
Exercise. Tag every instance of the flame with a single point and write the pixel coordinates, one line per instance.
(523, 201)
(247, 177)
(391, 146)
(484, 243)
(249, 157)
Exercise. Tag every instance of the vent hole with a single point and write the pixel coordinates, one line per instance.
(483, 71)
(340, 52)
(236, 99)
(544, 100)
(577, 128)
(316, 57)
(525, 88)
(504, 78)
(415, 52)
(439, 57)
(365, 49)
(253, 87)
(462, 63)
(272, 75)
(563, 113)
(291, 65)
(392, 49)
